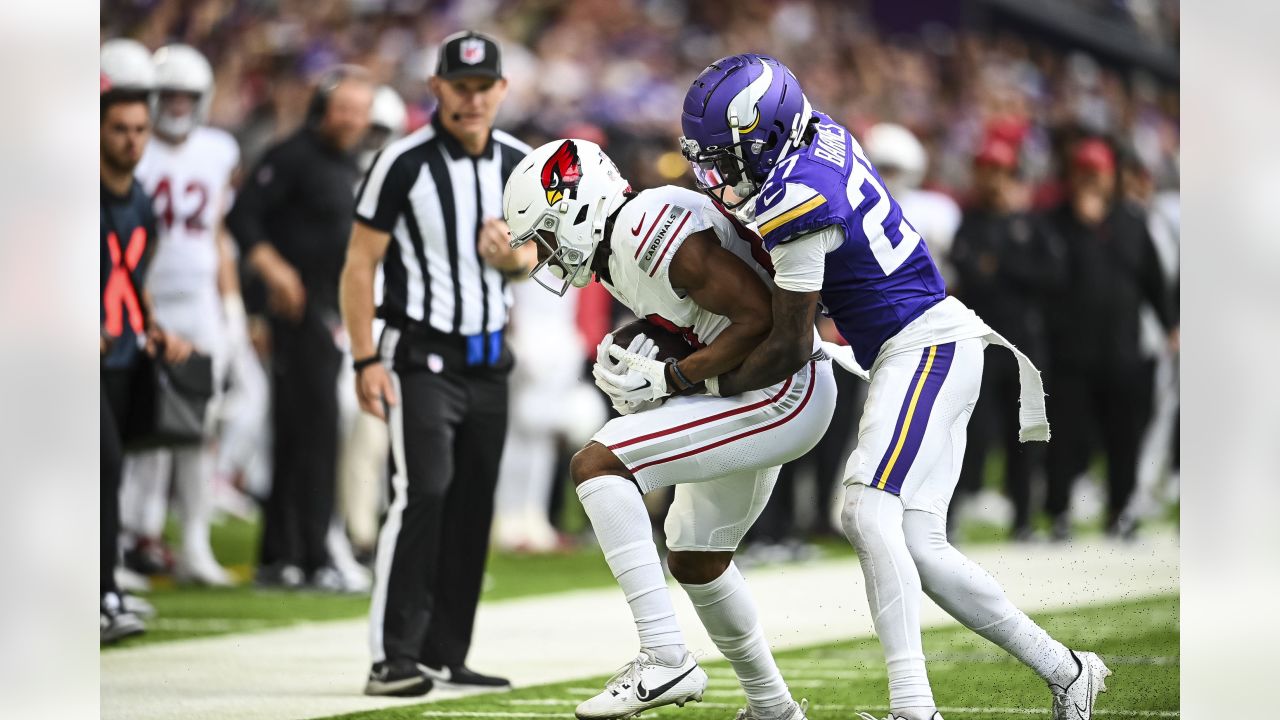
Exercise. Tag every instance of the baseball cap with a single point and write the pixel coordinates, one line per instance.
(469, 54)
(1093, 154)
(996, 153)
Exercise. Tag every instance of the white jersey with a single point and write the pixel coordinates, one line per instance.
(936, 217)
(189, 188)
(648, 233)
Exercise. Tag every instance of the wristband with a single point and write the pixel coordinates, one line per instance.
(359, 365)
(675, 368)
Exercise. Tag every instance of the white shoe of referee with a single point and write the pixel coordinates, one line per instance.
(644, 683)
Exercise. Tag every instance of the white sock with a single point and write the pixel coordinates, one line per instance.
(969, 594)
(193, 475)
(872, 520)
(621, 524)
(728, 612)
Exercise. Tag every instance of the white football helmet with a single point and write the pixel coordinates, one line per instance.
(388, 119)
(126, 65)
(889, 145)
(388, 111)
(562, 194)
(181, 68)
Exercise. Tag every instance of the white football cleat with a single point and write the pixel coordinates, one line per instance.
(642, 684)
(865, 716)
(202, 569)
(1076, 701)
(797, 711)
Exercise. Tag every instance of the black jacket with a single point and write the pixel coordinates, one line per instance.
(126, 241)
(300, 198)
(1111, 270)
(1006, 265)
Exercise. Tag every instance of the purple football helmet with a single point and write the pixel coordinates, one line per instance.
(741, 116)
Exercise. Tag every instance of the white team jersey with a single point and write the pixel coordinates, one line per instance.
(647, 233)
(189, 189)
(936, 217)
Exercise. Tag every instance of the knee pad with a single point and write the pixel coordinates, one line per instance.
(868, 514)
(926, 535)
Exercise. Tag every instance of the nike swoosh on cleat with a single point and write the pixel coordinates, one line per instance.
(644, 694)
(636, 230)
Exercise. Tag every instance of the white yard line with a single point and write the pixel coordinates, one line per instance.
(316, 670)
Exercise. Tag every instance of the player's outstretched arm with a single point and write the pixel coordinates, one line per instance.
(718, 281)
(784, 351)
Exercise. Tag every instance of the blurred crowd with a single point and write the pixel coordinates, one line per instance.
(1044, 181)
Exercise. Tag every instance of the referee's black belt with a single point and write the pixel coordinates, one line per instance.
(419, 341)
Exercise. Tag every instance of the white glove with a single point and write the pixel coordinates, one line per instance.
(843, 354)
(606, 367)
(645, 377)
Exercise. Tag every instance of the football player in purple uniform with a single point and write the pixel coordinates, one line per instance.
(839, 243)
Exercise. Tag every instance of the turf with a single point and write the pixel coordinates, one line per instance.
(188, 612)
(970, 677)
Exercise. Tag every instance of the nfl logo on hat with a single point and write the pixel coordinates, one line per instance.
(472, 51)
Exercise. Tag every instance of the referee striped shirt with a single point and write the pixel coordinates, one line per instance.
(432, 198)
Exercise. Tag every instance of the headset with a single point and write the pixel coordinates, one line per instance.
(329, 81)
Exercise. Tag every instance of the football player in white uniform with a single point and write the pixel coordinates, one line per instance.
(672, 257)
(186, 169)
(902, 162)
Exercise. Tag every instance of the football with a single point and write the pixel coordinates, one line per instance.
(670, 345)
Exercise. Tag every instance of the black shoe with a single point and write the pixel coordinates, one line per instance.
(1123, 527)
(149, 556)
(283, 576)
(1061, 530)
(1023, 534)
(116, 622)
(397, 678)
(460, 676)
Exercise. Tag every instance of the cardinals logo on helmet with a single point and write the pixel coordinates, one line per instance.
(561, 173)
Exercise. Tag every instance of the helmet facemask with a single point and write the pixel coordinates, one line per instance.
(566, 263)
(173, 125)
(721, 170)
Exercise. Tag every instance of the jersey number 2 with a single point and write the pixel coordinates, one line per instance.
(194, 221)
(890, 236)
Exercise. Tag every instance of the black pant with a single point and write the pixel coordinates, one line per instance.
(305, 364)
(448, 433)
(995, 424)
(1109, 400)
(778, 520)
(118, 390)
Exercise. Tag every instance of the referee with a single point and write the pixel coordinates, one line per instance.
(429, 210)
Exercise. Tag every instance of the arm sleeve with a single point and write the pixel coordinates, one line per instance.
(798, 264)
(263, 191)
(383, 191)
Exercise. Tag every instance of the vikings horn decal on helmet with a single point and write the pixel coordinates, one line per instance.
(744, 104)
(561, 173)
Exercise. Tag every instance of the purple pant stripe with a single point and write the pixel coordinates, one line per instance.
(919, 419)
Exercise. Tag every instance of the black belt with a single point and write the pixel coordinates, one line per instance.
(418, 341)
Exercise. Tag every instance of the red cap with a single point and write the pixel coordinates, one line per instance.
(998, 153)
(1009, 129)
(1094, 155)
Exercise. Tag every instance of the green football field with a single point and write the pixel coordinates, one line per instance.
(970, 677)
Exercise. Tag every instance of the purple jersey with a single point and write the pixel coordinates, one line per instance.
(881, 278)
